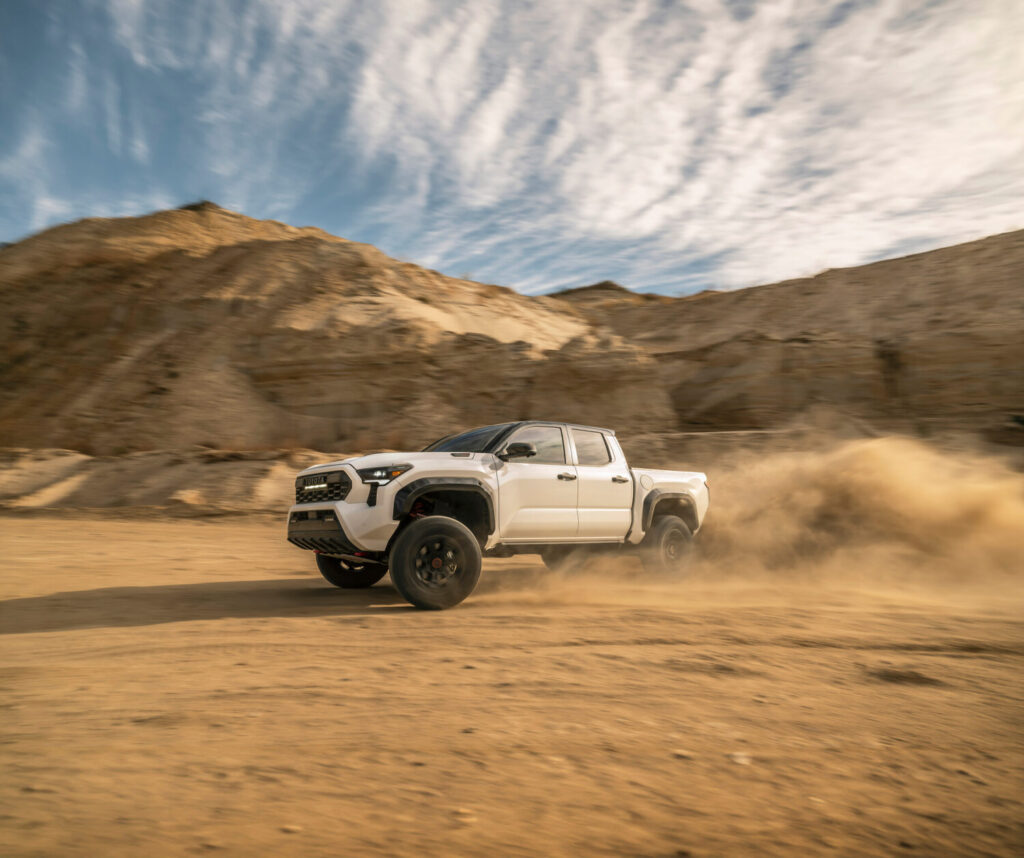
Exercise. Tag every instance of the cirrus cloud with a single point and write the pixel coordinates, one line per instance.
(672, 147)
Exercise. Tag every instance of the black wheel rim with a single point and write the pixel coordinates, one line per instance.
(437, 561)
(674, 546)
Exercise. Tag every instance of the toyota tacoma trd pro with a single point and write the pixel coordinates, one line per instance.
(530, 487)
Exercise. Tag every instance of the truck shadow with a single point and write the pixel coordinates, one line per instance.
(113, 607)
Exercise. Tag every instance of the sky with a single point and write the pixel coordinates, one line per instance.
(669, 146)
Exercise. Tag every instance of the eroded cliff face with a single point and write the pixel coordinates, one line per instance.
(202, 326)
(205, 327)
(934, 340)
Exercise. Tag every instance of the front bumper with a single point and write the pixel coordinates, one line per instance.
(319, 530)
(362, 526)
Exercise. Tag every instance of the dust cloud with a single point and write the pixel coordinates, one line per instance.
(878, 514)
(876, 507)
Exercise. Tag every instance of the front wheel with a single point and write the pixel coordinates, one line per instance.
(667, 545)
(350, 576)
(435, 562)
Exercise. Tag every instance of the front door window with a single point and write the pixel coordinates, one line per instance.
(547, 440)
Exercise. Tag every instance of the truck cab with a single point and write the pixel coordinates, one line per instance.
(542, 487)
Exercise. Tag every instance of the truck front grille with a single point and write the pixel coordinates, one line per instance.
(317, 488)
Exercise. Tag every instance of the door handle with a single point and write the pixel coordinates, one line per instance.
(617, 479)
(567, 476)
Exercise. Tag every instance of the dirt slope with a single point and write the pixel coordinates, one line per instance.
(203, 326)
(929, 340)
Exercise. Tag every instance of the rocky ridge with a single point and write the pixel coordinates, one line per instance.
(200, 326)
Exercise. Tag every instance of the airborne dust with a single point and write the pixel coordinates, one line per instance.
(888, 513)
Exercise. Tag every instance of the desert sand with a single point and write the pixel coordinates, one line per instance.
(177, 687)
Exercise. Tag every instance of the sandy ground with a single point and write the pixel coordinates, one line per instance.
(182, 687)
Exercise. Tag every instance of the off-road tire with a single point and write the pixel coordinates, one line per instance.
(347, 575)
(667, 546)
(435, 562)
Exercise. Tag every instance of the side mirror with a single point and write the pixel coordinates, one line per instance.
(518, 450)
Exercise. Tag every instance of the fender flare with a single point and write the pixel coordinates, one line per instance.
(651, 501)
(406, 496)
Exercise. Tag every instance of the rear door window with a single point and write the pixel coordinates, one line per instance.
(591, 448)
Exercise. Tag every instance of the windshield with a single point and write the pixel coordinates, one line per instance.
(473, 441)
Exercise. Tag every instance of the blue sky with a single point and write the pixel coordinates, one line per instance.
(669, 146)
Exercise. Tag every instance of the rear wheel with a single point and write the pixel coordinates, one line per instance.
(350, 576)
(667, 545)
(435, 562)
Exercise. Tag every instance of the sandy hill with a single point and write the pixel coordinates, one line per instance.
(932, 339)
(203, 326)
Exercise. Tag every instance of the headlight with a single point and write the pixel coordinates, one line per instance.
(382, 476)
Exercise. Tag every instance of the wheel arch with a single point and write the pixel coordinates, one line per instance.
(465, 499)
(659, 502)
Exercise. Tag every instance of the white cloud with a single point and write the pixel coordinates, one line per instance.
(776, 142)
(78, 82)
(47, 209)
(24, 177)
(112, 114)
(674, 146)
(29, 183)
(128, 18)
(139, 143)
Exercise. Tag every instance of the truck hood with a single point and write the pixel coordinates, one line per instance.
(379, 460)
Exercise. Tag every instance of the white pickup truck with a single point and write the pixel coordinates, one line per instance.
(530, 487)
